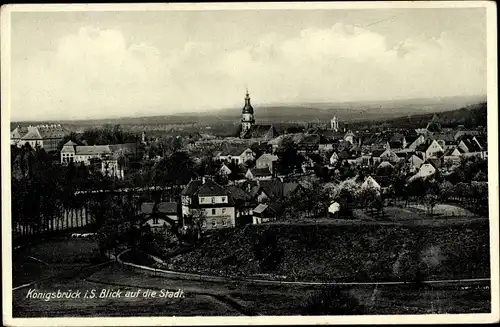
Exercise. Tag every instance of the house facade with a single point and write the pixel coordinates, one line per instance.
(210, 199)
(237, 156)
(266, 160)
(108, 156)
(46, 137)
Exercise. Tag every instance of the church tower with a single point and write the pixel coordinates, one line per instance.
(247, 118)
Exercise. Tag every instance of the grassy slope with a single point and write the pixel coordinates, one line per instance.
(362, 253)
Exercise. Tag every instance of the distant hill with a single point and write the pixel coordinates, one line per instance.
(470, 116)
(286, 113)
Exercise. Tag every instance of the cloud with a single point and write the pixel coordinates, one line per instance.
(97, 72)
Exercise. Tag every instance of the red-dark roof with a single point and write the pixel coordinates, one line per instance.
(273, 188)
(260, 131)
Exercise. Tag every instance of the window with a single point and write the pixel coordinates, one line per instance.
(223, 210)
(224, 222)
(214, 223)
(213, 200)
(213, 211)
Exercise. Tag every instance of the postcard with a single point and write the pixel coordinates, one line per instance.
(250, 163)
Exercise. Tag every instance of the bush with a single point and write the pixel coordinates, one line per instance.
(331, 301)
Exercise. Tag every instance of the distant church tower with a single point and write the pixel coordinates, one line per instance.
(247, 118)
(334, 124)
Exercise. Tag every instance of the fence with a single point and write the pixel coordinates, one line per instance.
(67, 220)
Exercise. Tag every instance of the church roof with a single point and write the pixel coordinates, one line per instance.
(260, 131)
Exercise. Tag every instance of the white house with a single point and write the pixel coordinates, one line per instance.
(413, 141)
(167, 215)
(453, 154)
(415, 161)
(264, 213)
(334, 159)
(425, 171)
(349, 137)
(429, 149)
(108, 155)
(213, 200)
(370, 183)
(44, 136)
(237, 155)
(385, 164)
(224, 170)
(258, 174)
(266, 160)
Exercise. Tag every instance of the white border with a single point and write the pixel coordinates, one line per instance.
(492, 99)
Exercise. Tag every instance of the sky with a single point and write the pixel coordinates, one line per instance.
(84, 65)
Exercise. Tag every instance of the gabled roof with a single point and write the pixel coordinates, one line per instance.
(124, 147)
(370, 181)
(260, 131)
(33, 134)
(471, 145)
(331, 134)
(435, 162)
(273, 188)
(260, 172)
(411, 138)
(416, 156)
(289, 188)
(261, 208)
(19, 132)
(167, 207)
(92, 149)
(369, 140)
(459, 134)
(310, 139)
(483, 140)
(424, 146)
(447, 137)
(344, 155)
(239, 194)
(162, 207)
(377, 153)
(385, 164)
(70, 143)
(268, 156)
(42, 132)
(211, 188)
(397, 137)
(435, 119)
(402, 154)
(450, 151)
(191, 188)
(349, 133)
(234, 151)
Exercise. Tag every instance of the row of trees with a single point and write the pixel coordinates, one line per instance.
(108, 134)
(43, 192)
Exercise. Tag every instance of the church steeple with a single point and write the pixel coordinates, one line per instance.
(247, 109)
(247, 118)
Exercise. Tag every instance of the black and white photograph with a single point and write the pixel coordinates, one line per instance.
(249, 163)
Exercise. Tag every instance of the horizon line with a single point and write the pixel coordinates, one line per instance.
(263, 105)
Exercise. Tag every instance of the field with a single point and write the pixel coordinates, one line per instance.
(345, 252)
(70, 264)
(48, 259)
